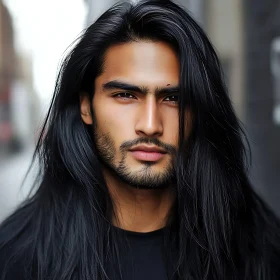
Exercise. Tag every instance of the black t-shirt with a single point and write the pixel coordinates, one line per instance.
(142, 259)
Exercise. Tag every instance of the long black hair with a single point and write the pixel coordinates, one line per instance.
(223, 230)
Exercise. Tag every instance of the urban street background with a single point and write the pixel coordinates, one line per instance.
(36, 35)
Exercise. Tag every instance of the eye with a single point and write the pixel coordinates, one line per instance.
(124, 95)
(172, 98)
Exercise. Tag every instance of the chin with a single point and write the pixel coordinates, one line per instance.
(146, 179)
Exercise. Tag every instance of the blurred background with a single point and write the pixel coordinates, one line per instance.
(34, 36)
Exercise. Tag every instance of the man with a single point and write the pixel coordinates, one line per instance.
(143, 171)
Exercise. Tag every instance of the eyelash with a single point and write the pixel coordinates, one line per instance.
(127, 95)
(121, 95)
(176, 97)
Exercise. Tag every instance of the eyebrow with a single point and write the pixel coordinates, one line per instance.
(141, 89)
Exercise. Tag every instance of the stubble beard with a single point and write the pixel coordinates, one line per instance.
(145, 178)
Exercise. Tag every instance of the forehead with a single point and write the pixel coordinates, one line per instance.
(143, 62)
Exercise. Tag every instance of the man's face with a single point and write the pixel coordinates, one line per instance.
(136, 113)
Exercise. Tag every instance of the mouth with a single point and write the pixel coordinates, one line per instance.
(147, 153)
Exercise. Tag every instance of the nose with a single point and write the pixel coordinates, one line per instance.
(149, 121)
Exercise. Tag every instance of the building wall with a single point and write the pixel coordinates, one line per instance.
(96, 8)
(7, 45)
(262, 28)
(7, 74)
(224, 25)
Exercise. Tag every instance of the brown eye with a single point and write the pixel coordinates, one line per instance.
(125, 95)
(172, 98)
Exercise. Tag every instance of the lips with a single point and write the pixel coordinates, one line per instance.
(147, 153)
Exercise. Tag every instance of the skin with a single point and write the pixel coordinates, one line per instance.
(140, 189)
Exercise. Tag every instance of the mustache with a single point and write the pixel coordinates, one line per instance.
(144, 140)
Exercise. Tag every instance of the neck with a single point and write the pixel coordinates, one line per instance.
(139, 210)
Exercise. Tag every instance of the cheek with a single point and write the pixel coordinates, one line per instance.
(114, 122)
(171, 128)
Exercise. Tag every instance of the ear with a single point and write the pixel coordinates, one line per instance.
(85, 108)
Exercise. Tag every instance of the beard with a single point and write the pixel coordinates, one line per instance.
(146, 177)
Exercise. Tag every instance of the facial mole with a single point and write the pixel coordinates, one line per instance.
(168, 85)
